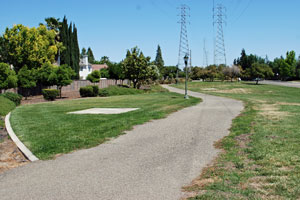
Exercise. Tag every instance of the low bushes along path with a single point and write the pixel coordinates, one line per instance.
(152, 161)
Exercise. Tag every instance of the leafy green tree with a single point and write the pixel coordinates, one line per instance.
(212, 72)
(8, 78)
(135, 66)
(116, 71)
(259, 71)
(22, 45)
(104, 73)
(64, 75)
(26, 79)
(46, 74)
(169, 72)
(94, 77)
(104, 60)
(83, 52)
(53, 23)
(159, 62)
(90, 54)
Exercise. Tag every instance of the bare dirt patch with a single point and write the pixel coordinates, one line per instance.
(235, 91)
(209, 89)
(271, 111)
(10, 155)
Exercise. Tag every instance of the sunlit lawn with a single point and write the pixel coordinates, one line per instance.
(262, 152)
(46, 128)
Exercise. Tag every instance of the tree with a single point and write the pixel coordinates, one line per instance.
(159, 62)
(46, 75)
(53, 23)
(26, 79)
(104, 73)
(135, 66)
(8, 78)
(63, 76)
(259, 71)
(90, 54)
(83, 52)
(116, 71)
(22, 45)
(212, 72)
(232, 72)
(169, 72)
(70, 55)
(94, 77)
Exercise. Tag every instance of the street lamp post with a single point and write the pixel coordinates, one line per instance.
(186, 58)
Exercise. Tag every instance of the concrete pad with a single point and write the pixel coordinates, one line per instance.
(104, 111)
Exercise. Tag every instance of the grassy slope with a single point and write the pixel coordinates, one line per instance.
(48, 130)
(261, 158)
(5, 107)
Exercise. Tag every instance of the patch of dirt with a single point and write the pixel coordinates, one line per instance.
(271, 111)
(10, 155)
(235, 91)
(40, 98)
(243, 140)
(288, 104)
(209, 89)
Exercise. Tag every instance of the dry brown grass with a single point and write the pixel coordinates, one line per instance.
(235, 91)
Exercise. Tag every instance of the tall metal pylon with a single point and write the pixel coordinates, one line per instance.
(219, 44)
(183, 42)
(205, 54)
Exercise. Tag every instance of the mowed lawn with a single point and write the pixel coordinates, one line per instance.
(47, 130)
(261, 157)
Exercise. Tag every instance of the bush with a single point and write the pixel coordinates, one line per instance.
(6, 106)
(16, 98)
(103, 93)
(95, 90)
(89, 91)
(50, 94)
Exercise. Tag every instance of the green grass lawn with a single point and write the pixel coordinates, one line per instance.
(46, 128)
(5, 107)
(262, 153)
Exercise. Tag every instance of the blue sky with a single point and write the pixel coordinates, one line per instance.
(262, 27)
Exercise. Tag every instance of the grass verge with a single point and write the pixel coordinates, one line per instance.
(261, 157)
(46, 129)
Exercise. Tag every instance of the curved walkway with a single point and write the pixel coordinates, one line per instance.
(152, 161)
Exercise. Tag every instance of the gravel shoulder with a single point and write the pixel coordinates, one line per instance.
(152, 161)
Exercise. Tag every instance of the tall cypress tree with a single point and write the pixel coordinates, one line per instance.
(159, 62)
(90, 55)
(70, 55)
(64, 37)
(76, 51)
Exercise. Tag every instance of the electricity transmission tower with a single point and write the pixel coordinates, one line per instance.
(205, 54)
(183, 43)
(219, 46)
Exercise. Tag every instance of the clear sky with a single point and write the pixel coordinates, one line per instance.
(111, 27)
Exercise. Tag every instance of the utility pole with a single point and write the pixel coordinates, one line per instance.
(219, 44)
(183, 42)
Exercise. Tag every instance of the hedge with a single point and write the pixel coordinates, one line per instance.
(50, 94)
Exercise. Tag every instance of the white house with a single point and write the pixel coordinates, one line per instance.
(85, 67)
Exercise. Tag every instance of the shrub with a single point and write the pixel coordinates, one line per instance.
(16, 98)
(95, 90)
(89, 91)
(6, 106)
(50, 94)
(103, 93)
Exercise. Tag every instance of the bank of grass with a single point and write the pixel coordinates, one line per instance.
(5, 107)
(261, 158)
(119, 90)
(46, 128)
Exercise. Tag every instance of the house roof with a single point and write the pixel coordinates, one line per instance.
(99, 66)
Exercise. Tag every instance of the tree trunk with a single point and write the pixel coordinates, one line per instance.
(256, 81)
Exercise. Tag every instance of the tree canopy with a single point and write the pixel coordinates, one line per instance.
(159, 62)
(8, 78)
(33, 47)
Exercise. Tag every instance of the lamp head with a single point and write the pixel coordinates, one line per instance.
(186, 58)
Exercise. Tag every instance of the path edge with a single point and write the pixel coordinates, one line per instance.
(16, 140)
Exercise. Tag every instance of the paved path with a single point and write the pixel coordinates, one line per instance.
(282, 83)
(152, 161)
